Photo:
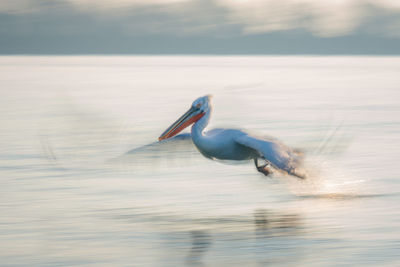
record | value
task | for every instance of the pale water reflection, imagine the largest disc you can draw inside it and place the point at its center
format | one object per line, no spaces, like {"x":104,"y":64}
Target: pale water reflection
{"x":82,"y":184}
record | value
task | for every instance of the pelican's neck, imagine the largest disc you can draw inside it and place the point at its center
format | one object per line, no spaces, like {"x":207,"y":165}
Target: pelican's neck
{"x":200,"y":125}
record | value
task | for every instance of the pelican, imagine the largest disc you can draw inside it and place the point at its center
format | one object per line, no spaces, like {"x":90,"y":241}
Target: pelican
{"x":234,"y":144}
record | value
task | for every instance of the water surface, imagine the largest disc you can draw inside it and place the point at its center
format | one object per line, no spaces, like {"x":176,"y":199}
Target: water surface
{"x":68,"y":197}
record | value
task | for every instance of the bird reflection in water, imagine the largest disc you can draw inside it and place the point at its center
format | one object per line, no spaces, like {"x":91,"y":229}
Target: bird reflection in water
{"x":276,"y":235}
{"x":201,"y":241}
{"x":268,"y":224}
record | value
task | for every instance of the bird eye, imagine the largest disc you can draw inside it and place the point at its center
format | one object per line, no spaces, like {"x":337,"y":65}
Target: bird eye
{"x":198,"y":105}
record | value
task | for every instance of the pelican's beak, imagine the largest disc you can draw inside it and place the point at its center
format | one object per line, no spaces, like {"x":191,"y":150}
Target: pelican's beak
{"x":191,"y":116}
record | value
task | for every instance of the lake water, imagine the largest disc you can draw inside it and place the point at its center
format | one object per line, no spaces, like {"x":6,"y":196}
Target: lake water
{"x":70,"y":195}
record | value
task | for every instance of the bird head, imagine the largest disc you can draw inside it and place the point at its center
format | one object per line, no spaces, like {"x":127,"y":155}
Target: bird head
{"x":198,"y":109}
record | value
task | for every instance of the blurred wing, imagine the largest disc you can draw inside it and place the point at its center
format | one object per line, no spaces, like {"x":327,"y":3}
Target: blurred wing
{"x":173,"y":151}
{"x":281,"y":156}
{"x":181,"y":139}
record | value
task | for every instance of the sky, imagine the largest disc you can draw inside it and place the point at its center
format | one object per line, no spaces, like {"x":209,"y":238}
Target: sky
{"x":200,"y":27}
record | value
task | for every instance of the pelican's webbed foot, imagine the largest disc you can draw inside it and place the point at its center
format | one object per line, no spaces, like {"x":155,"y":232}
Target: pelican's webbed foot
{"x":264,"y":168}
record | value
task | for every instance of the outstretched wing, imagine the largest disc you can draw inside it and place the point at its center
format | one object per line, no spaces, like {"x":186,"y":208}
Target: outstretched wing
{"x":177,"y":150}
{"x":281,"y":156}
{"x":176,"y":143}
